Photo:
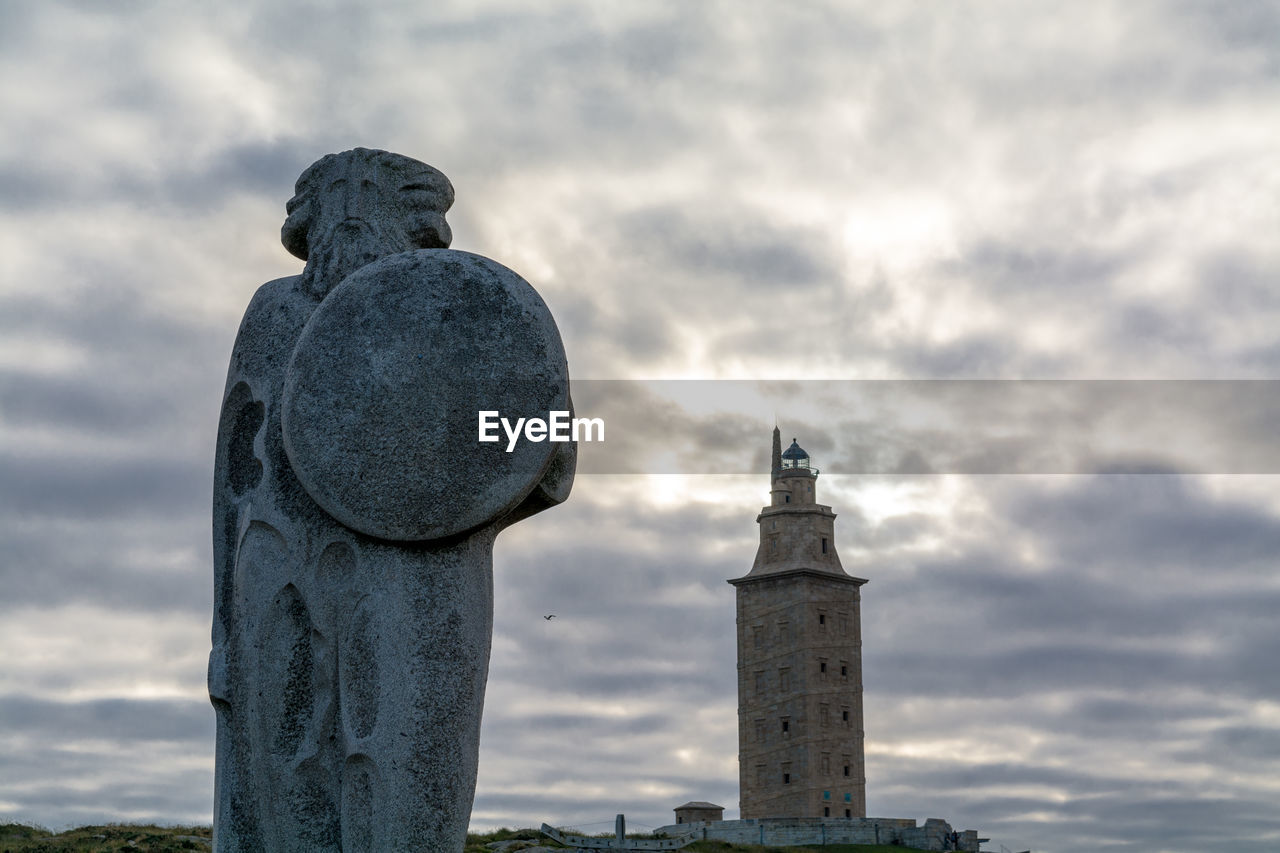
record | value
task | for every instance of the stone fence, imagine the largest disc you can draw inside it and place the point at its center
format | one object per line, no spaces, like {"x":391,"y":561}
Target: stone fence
{"x":782,"y":832}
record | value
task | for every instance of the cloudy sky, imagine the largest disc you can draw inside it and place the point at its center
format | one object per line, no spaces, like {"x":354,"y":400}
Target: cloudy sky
{"x":1069,"y":644}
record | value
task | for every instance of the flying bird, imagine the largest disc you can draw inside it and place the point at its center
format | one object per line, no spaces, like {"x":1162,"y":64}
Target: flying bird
{"x":549,"y":618}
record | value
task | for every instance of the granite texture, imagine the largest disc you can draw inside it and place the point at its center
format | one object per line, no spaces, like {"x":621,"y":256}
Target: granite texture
{"x":368,"y":409}
{"x":354,"y":517}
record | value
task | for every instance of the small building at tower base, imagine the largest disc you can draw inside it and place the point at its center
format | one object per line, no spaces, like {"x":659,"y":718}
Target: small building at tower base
{"x":698,"y":811}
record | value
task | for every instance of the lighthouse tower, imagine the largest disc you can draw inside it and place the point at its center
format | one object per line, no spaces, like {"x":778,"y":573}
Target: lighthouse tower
{"x":800,"y":739}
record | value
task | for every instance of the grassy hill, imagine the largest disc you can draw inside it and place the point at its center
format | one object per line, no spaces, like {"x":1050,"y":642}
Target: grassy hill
{"x":21,"y":838}
{"x":143,"y":838}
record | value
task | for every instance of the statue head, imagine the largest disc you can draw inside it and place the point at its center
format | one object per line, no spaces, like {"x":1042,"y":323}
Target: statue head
{"x":352,"y":208}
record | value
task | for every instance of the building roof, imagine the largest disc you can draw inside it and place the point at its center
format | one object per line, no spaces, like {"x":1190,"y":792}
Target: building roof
{"x":698,"y":804}
{"x":795,"y":451}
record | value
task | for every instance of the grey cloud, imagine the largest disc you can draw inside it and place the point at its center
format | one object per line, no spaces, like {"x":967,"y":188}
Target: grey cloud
{"x":596,"y":726}
{"x":941,"y":426}
{"x":95,"y":761}
{"x":122,"y":719}
{"x":1251,"y":25}
{"x":69,"y":487}
{"x":267,"y":168}
{"x":724,"y":243}
{"x":1246,"y":745}
{"x":38,"y":400}
{"x":49,"y":562}
{"x":1014,"y":270}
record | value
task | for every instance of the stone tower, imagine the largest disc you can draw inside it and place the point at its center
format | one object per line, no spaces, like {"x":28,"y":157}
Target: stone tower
{"x":799,"y":659}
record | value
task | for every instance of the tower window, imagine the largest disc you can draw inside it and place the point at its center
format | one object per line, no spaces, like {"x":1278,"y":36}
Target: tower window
{"x":844,"y":715}
{"x":787,"y":499}
{"x":826,"y":769}
{"x":847,"y":813}
{"x":786,"y":778}
{"x":786,"y":726}
{"x":822,"y":667}
{"x":846,"y":770}
{"x":844,"y":669}
{"x":824,"y":544}
{"x":826,"y":811}
{"x":823,"y":710}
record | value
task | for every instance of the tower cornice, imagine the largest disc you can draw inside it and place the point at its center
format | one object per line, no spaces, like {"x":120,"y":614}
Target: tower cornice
{"x":791,"y":573}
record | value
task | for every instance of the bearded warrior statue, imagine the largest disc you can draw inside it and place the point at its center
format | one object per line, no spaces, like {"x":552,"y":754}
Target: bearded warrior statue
{"x":354,"y":516}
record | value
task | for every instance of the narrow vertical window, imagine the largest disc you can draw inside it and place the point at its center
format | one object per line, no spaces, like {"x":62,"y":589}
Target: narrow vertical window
{"x":824,"y":544}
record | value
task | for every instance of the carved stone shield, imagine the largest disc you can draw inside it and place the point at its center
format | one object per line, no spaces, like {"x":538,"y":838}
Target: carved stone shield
{"x":384,"y":386}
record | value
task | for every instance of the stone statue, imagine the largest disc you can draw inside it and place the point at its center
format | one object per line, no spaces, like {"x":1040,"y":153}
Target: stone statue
{"x":354,"y":516}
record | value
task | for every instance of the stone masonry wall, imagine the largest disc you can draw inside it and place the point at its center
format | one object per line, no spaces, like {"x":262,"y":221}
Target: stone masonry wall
{"x":800,"y":747}
{"x":781,"y":832}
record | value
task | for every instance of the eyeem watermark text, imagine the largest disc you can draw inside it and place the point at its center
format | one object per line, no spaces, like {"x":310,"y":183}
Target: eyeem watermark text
{"x":557,"y":427}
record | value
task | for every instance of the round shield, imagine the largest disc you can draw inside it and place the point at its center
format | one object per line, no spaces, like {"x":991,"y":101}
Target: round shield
{"x":384,"y":393}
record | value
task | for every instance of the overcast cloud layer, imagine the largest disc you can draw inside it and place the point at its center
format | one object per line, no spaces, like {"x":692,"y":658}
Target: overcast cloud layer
{"x":714,"y":191}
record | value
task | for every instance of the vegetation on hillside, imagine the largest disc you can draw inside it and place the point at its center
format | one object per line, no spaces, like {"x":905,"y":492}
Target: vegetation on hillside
{"x":23,"y":838}
{"x":140,"y":838}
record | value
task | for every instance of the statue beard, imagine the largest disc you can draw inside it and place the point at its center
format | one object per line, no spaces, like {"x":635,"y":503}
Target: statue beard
{"x":343,"y":249}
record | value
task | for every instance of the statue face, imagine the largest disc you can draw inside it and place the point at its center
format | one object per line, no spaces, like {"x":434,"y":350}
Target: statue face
{"x":366,"y":202}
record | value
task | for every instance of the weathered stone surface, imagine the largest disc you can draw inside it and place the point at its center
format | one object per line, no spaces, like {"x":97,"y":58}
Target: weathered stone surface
{"x":381,"y":396}
{"x":349,"y":665}
{"x":817,"y":831}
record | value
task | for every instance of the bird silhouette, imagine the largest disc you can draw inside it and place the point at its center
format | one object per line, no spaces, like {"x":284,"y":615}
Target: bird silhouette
{"x":549,"y":618}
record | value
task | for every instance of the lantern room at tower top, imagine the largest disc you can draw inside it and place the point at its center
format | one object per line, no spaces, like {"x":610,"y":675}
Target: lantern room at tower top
{"x":794,"y":458}
{"x":793,"y":475}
